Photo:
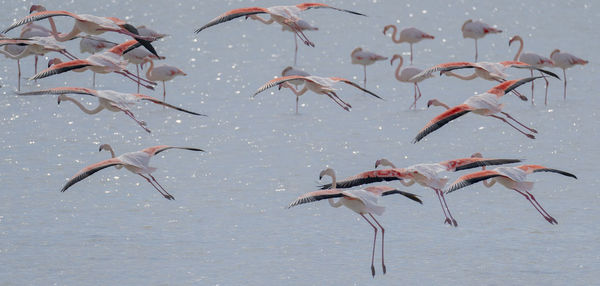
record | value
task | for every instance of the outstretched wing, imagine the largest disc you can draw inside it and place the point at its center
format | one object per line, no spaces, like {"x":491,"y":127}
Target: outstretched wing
{"x":306,"y":6}
{"x":316,"y":196}
{"x":91,"y":169}
{"x":354,"y":85}
{"x":157,"y":149}
{"x":366,"y":178}
{"x":230,"y":15}
{"x":469,"y":163}
{"x":442,"y":119}
{"x":38,"y":16}
{"x":278,"y":81}
{"x":61,"y":90}
{"x":522,"y":65}
{"x":538,"y":168}
{"x":472,"y":178}
{"x":441,"y":68}
{"x":386,"y":191}
{"x":157,"y":101}
{"x":61,"y":68}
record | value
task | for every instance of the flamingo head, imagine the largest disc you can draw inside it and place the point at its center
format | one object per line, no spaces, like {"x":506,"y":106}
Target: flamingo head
{"x":554,"y":52}
{"x":355,"y":51}
{"x":36,"y":8}
{"x":54,"y":61}
{"x":384,"y":162}
{"x":327,"y":172}
{"x":386,"y":28}
{"x":514,"y":38}
{"x":61,"y":98}
{"x":285,"y":70}
{"x":104,"y":147}
{"x":476,"y":155}
{"x":433,"y":102}
{"x":394,"y":57}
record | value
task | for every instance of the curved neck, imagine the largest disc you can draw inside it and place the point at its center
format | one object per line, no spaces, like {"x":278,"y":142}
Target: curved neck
{"x":334,"y":203}
{"x":149,"y":70}
{"x":394,"y":34}
{"x":439,"y":103}
{"x":397,"y":73}
{"x":268,"y":22}
{"x":520,"y":49}
{"x":62,"y":37}
{"x":470,"y":77}
{"x":489,"y":183}
{"x":112,"y":153}
{"x":82,"y":107}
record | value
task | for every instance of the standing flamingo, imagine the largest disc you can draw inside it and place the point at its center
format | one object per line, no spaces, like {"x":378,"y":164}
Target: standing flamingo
{"x":84,"y":23}
{"x":427,"y":175}
{"x":161,"y":73}
{"x":408,"y":35}
{"x":293,"y":71}
{"x":92,"y":45}
{"x":363,"y":201}
{"x":317,"y":84}
{"x":31,"y":30}
{"x":565,"y":61}
{"x":534,"y":60}
{"x":512,"y":178}
{"x":284,"y":15}
{"x":365,"y":58}
{"x":477,"y":30}
{"x":486,"y":70}
{"x":485,"y":104}
{"x":136,"y":162}
{"x":105,"y":62}
{"x":107,"y":99}
{"x":406,"y":75}
{"x":147,"y":32}
{"x":299,"y":24}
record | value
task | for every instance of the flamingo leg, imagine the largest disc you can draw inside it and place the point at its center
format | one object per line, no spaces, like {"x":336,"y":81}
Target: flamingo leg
{"x":19,"y":74}
{"x":164,"y":92}
{"x":297,"y":98}
{"x":546,"y":217}
{"x":419,"y":96}
{"x":448,"y":220}
{"x":374,"y":240}
{"x":141,"y":123}
{"x":532,"y":84}
{"x":382,"y":240}
{"x":296,"y":48}
{"x":441,"y":194}
{"x":547,"y":83}
{"x":138,"y":77}
{"x":36,"y":63}
{"x":508,"y":115}
{"x":365,"y":79}
{"x":298,"y":31}
{"x":505,"y":121}
{"x":414,"y":104}
{"x":475,"y":49}
{"x":137,"y":71}
{"x":411,"y":55}
{"x":154,"y":179}
{"x":93,"y":79}
{"x":339,"y":101}
{"x":167,"y":196}
{"x":541,"y":208}
{"x":565,"y":77}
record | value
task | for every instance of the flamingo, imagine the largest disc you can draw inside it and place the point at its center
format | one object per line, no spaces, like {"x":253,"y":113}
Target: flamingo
{"x":565,"y":61}
{"x":365,"y":58}
{"x":136,"y":162}
{"x":136,"y":56}
{"x":363,"y":201}
{"x":147,"y":32}
{"x":31,"y":30}
{"x":486,"y":70}
{"x":105,"y":62}
{"x":284,"y":15}
{"x":410,"y":35}
{"x":20,"y":48}
{"x":406,"y":75}
{"x":300,"y":24}
{"x":161,"y":73}
{"x":107,"y":99}
{"x":485,"y":104}
{"x":477,"y":30}
{"x":92,"y":45}
{"x":426,"y":175}
{"x":512,"y":178}
{"x":317,"y":84}
{"x":534,"y":60}
{"x":84,"y":23}
{"x":292,"y":71}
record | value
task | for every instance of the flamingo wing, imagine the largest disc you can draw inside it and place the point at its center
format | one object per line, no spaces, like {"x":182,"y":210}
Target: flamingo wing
{"x":522,"y":65}
{"x":230,"y":15}
{"x":278,"y":81}
{"x":62,"y":90}
{"x":354,"y":85}
{"x":61,"y":68}
{"x":472,"y":178}
{"x":91,"y":169}
{"x":39,"y":16}
{"x":442,"y":119}
{"x":157,"y":101}
{"x":386,"y":191}
{"x":316,"y":196}
{"x":442,"y":68}
{"x":538,"y":168}
{"x":469,"y":163}
{"x":306,"y":6}
{"x":157,"y":149}
{"x":366,"y":178}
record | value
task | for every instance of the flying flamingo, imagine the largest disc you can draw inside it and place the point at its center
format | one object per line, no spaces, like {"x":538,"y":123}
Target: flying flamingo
{"x":84,"y":23}
{"x":293,"y":71}
{"x":32,"y":46}
{"x":406,"y":75}
{"x":92,"y":45}
{"x":317,"y":84}
{"x":485,"y":104}
{"x":427,"y":175}
{"x":486,"y":70}
{"x":477,"y":30}
{"x":512,"y":178}
{"x":409,"y":35}
{"x":137,"y":56}
{"x":299,"y":24}
{"x":107,"y":99}
{"x":534,"y":60}
{"x":565,"y":61}
{"x":105,"y":62}
{"x":365,"y":58}
{"x":363,"y":201}
{"x":136,"y":162}
{"x":161,"y":73}
{"x":284,"y":15}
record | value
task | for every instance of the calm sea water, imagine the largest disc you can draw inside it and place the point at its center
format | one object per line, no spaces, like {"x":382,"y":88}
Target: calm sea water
{"x":228,"y":224}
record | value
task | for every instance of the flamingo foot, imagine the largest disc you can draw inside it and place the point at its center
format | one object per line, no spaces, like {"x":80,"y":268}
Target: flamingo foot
{"x":143,"y":123}
{"x":346,"y":108}
{"x":373,"y":270}
{"x":309,"y":43}
{"x":551,"y":220}
{"x":169,"y":197}
{"x":383,"y":266}
{"x":530,"y":136}
{"x":454,"y":223}
{"x":533,"y":130}
{"x":523,"y":98}
{"x":448,"y":221}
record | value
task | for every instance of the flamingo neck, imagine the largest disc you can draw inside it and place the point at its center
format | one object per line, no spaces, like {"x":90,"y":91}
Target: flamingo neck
{"x":489,"y":183}
{"x":263,"y":20}
{"x":112,"y":153}
{"x":394,"y":34}
{"x":439,"y":103}
{"x":334,"y":203}
{"x":397,"y":72}
{"x":150,"y":69}
{"x":470,"y":77}
{"x":62,"y":37}
{"x":82,"y":107}
{"x":520,"y":49}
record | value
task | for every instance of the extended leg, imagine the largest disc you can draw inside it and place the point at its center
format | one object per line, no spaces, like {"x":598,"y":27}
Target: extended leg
{"x":508,"y":115}
{"x":547,"y":83}
{"x":448,"y":220}
{"x":565,"y":78}
{"x":365,"y":79}
{"x":339,"y":101}
{"x":411,"y":54}
{"x":475,"y":49}
{"x":541,"y":208}
{"x":140,"y":123}
{"x":164,"y":92}
{"x":446,"y":205}
{"x":135,"y":80}
{"x":374,"y":239}
{"x":532,"y":83}
{"x":296,"y":48}
{"x":19,"y":74}
{"x":382,"y":240}
{"x":137,"y":71}
{"x":167,"y":196}
{"x":515,"y":127}
{"x":547,"y":218}
{"x":165,"y":191}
